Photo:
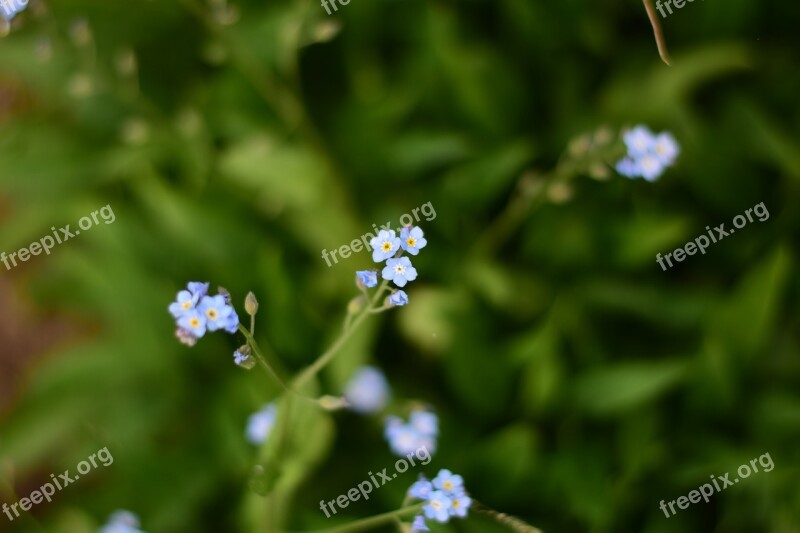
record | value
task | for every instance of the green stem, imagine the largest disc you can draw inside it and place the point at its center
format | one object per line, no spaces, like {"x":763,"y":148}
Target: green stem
{"x":331,"y":352}
{"x":366,"y":523}
{"x":260,"y":357}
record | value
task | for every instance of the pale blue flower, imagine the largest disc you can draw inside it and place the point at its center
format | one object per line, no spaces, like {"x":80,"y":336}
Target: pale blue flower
{"x":438,"y":507}
{"x":218,"y":314}
{"x":648,"y":155}
{"x":666,"y":148}
{"x":400,"y":271}
{"x":639,"y":141}
{"x":412,"y":240}
{"x":398,"y":298}
{"x":384,"y":245}
{"x":460,"y":505}
{"x":11,"y":8}
{"x":184,"y":303}
{"x":419,"y":524}
{"x":121,"y":522}
{"x":366,"y":278}
{"x":193,"y":322}
{"x":421,"y":489}
{"x":260,"y":424}
{"x":426,"y":422}
{"x":446,"y":481}
{"x":367,"y":391}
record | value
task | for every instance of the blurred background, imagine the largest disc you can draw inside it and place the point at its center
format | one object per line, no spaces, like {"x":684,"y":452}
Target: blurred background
{"x":577,"y":383}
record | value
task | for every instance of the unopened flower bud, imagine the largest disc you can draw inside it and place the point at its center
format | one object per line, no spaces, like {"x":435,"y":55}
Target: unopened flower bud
{"x":222,"y":291}
{"x":251,"y":304}
{"x":356,"y":305}
{"x":332,"y":403}
{"x":242,"y":358}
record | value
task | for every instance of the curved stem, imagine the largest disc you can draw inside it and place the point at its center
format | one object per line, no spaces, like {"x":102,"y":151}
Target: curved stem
{"x":260,"y":357}
{"x":367,"y":523}
{"x":657,"y":32}
{"x":331,"y":352}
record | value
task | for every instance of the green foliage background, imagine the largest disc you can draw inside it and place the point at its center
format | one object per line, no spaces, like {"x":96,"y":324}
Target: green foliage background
{"x":578,"y":384}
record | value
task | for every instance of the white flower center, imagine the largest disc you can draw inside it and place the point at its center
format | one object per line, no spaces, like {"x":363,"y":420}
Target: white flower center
{"x":400,"y":269}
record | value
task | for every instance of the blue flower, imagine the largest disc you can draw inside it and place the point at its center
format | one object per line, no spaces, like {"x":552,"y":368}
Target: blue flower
{"x":412,"y":240}
{"x":218,"y":314}
{"x":366,"y":278}
{"x":461,"y":503}
{"x":10,"y":8}
{"x":448,"y":482}
{"x":400,"y":271}
{"x":419,"y":524}
{"x":404,"y":440}
{"x":121,"y":522}
{"x":648,"y":154}
{"x":426,"y":422}
{"x":188,"y":299}
{"x":198,"y":289}
{"x":193,"y":322}
{"x":398,"y":298}
{"x":260,"y":424}
{"x":384,"y":245}
{"x":367,"y":391}
{"x":421,"y":489}
{"x":438,"y":507}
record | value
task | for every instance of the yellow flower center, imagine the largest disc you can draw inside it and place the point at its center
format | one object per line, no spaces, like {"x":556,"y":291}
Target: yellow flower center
{"x":387,"y":246}
{"x":447,"y":485}
{"x":436,"y":505}
{"x":212,"y":314}
{"x":186,"y":305}
{"x":455,"y":503}
{"x":411,"y":241}
{"x":194,"y":322}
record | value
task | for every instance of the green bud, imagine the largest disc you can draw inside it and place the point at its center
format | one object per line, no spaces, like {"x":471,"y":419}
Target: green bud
{"x":251,"y":304}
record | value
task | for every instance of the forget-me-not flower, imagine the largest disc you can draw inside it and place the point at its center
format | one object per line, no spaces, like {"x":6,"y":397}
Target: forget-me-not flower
{"x":438,"y":507}
{"x":419,"y":524}
{"x":400,"y":271}
{"x":460,"y":505}
{"x":648,"y":155}
{"x":405,"y":438}
{"x":412,"y":240}
{"x":121,"y":522}
{"x":366,"y":278}
{"x":193,"y":322}
{"x":218,"y":314}
{"x":260,"y":424}
{"x":448,"y":482}
{"x":384,"y":245}
{"x":421,"y":489}
{"x":398,"y":298}
{"x":367,"y":391}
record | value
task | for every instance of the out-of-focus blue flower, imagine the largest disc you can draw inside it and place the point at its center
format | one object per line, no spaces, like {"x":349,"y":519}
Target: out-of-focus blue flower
{"x":461,"y":504}
{"x":648,"y":155}
{"x":446,"y":481}
{"x":198,"y":289}
{"x":405,"y":438}
{"x":367,"y":391}
{"x":384,"y":245}
{"x":366,"y":278}
{"x":412,"y":240}
{"x":260,"y":424}
{"x":398,"y":298}
{"x":11,"y":8}
{"x":218,"y":314}
{"x":400,"y":271}
{"x":425,"y":422}
{"x":421,"y":489}
{"x":193,"y":322}
{"x":438,"y":507}
{"x":419,"y":524}
{"x":121,"y":522}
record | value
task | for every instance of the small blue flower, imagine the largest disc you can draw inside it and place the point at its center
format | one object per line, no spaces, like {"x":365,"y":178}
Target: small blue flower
{"x":242,"y":358}
{"x":260,"y":424}
{"x":628,"y":167}
{"x":218,"y":314}
{"x":11,"y":8}
{"x":398,"y":298}
{"x":426,"y":422}
{"x":639,"y":141}
{"x":367,"y":391}
{"x":193,"y":322}
{"x":384,"y":245}
{"x":183,"y":304}
{"x":421,"y":489}
{"x":461,"y":504}
{"x":438,"y":507}
{"x":650,"y":167}
{"x":121,"y":522}
{"x":198,"y":289}
{"x":666,"y":148}
{"x":419,"y":524}
{"x":366,"y":278}
{"x":404,"y":440}
{"x":400,"y":271}
{"x":412,"y":240}
{"x":448,"y":482}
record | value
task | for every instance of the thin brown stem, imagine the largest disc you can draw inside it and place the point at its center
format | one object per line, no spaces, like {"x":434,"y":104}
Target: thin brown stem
{"x":657,"y":31}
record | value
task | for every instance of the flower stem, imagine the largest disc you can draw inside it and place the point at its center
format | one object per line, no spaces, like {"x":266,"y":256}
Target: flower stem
{"x":260,"y":356}
{"x":367,"y":523}
{"x":331,"y":352}
{"x":657,"y":31}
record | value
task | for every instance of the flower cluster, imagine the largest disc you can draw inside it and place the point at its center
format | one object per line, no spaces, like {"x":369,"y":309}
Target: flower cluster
{"x":367,"y":391}
{"x":386,"y":246}
{"x":446,"y":498}
{"x":421,"y":431}
{"x":121,"y":522}
{"x":260,"y":424}
{"x":10,"y":8}
{"x":648,"y":154}
{"x":196,"y":312}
